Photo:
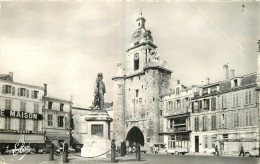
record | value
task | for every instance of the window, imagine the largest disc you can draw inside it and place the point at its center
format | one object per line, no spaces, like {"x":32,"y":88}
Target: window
{"x":35,"y":108}
{"x":178,"y":104}
{"x":153,"y":99}
{"x":50,"y":120}
{"x":236,"y":119}
{"x":49,"y":105}
{"x":7,"y":123}
{"x":225,"y":136}
{"x":206,"y":104}
{"x":8,"y":89}
{"x":171,"y":105}
{"x":196,"y":106}
{"x":136,"y":61}
{"x":23,"y":92}
{"x":248,"y":97}
{"x":61,"y":107}
{"x":153,"y":74}
{"x":206,"y":142}
{"x":35,"y":125}
{"x":34,"y":94}
{"x":213,"y":140}
{"x":160,"y":112}
{"x":235,"y":99}
{"x":8,"y":104}
{"x":22,"y":124}
{"x":136,"y":93}
{"x":249,"y":118}
{"x":23,"y":106}
{"x":140,"y":100}
{"x":60,"y":121}
{"x":213,"y":103}
{"x":224,"y":101}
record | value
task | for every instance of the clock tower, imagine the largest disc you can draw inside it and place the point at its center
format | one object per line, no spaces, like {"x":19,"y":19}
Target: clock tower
{"x":137,"y":88}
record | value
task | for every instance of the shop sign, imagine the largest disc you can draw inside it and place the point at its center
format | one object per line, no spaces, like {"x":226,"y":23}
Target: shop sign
{"x":20,"y":114}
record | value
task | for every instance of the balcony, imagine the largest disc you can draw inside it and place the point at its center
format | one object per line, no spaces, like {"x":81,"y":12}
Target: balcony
{"x":181,"y":129}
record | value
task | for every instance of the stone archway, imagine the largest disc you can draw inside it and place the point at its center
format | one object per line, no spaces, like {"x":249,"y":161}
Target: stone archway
{"x":135,"y":135}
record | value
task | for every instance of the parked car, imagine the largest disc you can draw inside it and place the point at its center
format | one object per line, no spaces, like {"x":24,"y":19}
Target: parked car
{"x":252,"y":153}
{"x":71,"y":150}
{"x":159,"y":148}
{"x":44,"y":150}
{"x":142,"y":149}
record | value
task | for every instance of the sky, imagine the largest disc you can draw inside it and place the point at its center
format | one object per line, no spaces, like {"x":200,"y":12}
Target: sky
{"x":65,"y":44}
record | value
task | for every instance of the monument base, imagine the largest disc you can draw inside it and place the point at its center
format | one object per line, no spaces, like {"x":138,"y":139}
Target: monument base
{"x":96,"y":148}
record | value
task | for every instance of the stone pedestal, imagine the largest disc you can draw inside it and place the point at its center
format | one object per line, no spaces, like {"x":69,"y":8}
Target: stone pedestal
{"x":97,"y":137}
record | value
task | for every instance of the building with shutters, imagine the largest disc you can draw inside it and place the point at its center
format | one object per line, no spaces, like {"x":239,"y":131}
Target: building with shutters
{"x":225,"y":114}
{"x":20,"y":113}
{"x":57,"y":116}
{"x":175,"y":112}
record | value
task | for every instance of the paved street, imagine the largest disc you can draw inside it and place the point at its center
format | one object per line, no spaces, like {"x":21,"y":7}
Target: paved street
{"x":146,"y":158}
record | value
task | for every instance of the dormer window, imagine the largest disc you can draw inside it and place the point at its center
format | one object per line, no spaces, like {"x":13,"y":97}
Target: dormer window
{"x":235,"y":83}
{"x":177,"y":91}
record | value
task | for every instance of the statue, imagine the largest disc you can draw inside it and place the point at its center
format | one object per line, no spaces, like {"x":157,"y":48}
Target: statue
{"x":99,"y":91}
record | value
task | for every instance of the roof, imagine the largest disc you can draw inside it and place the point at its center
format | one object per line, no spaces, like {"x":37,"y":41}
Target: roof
{"x":57,"y":99}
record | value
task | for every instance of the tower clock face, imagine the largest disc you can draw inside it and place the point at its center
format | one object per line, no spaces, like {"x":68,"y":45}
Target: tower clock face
{"x":136,"y":57}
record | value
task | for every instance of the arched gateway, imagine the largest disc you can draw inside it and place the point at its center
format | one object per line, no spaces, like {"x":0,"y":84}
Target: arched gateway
{"x":135,"y":135}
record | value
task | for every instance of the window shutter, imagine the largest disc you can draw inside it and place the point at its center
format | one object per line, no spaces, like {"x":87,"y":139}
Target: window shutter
{"x":19,"y":91}
{"x":231,"y":120}
{"x":6,"y":103}
{"x":200,"y":123}
{"x":13,"y":91}
{"x":219,"y":121}
{"x":32,"y":94}
{"x":209,"y":124}
{"x":242,"y":118}
{"x":3,"y":89}
{"x":220,"y":102}
{"x":27,"y":93}
{"x":226,"y":122}
{"x":229,"y":125}
{"x":192,"y":123}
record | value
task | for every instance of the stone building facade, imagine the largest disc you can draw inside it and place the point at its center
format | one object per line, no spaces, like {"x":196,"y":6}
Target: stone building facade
{"x":175,"y":117}
{"x":57,"y":115}
{"x":136,"y":90}
{"x":225,"y":114}
{"x":21,"y":117}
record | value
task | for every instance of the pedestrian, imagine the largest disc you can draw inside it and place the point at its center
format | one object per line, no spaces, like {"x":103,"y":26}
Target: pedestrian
{"x":36,"y":148}
{"x":241,"y":150}
{"x":216,"y":150}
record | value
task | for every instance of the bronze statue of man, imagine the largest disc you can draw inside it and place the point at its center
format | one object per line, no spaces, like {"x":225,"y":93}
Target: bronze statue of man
{"x":99,"y":92}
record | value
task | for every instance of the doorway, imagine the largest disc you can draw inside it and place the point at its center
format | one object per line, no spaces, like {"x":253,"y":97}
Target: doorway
{"x":196,"y":143}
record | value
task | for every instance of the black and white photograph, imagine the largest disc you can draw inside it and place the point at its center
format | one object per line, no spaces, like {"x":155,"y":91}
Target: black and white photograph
{"x":145,"y":82}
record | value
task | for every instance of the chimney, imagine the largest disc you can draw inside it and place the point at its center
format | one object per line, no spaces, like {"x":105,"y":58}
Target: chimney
{"x":45,"y":89}
{"x":226,"y":71}
{"x":207,"y":80}
{"x":232,"y":73}
{"x":11,"y":75}
{"x":178,"y":81}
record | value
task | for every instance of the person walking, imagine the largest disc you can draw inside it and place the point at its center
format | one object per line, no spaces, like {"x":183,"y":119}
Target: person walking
{"x":216,"y":150}
{"x":241,"y":150}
